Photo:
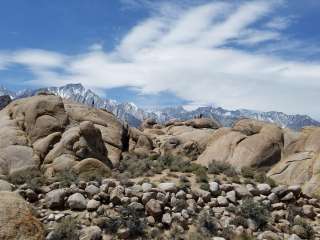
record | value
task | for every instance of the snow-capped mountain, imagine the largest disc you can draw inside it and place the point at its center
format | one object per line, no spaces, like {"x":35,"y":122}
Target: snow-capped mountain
{"x":130,"y":113}
{"x":4,"y":101}
{"x":127,"y":112}
{"x":228,"y":117}
{"x":4,"y":91}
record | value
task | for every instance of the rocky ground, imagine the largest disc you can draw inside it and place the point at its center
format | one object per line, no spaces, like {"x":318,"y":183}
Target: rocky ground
{"x":68,"y":171}
{"x":171,"y":205}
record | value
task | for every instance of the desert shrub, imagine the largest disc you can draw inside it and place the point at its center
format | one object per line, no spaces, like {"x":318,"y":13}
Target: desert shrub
{"x":217,"y":167}
{"x":138,"y":167}
{"x":239,"y":221}
{"x":127,"y":218}
{"x":176,"y":164}
{"x":249,"y":181}
{"x":248,"y":172}
{"x":172,"y":175}
{"x":33,"y":177}
{"x":293,"y":211}
{"x":66,"y":178}
{"x":134,"y":167}
{"x":201,"y":175}
{"x":197,"y":236}
{"x":316,"y":194}
{"x":156,"y":168}
{"x":67,"y":229}
{"x":135,"y":225}
{"x":124,"y":179}
{"x":227,"y":233}
{"x":112,"y":225}
{"x":244,"y":236}
{"x":232,"y":209}
{"x":207,"y":223}
{"x":256,"y":211}
{"x":308,"y":229}
{"x":261,"y":177}
{"x":176,"y":233}
{"x":95,"y":174}
{"x":184,"y":183}
{"x":205,"y":186}
{"x":192,"y":167}
{"x":235,"y":179}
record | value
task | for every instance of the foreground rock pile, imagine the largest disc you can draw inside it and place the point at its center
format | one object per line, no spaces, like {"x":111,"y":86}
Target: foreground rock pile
{"x":159,"y":208}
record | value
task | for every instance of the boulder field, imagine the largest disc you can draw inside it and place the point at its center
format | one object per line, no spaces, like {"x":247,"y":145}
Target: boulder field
{"x":49,"y":133}
{"x":49,"y":146}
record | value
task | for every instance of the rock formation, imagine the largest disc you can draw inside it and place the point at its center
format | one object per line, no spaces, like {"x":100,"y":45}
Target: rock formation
{"x":131,"y":186}
{"x":301,"y":163}
{"x":47,"y":133}
{"x":248,"y":143}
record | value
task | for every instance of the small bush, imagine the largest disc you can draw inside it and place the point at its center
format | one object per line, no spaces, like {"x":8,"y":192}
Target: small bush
{"x":135,"y":225}
{"x":33,"y":177}
{"x":261,"y":177}
{"x":316,"y":194}
{"x":232,"y":209}
{"x":236,"y":179}
{"x":309,"y":231}
{"x":244,"y":236}
{"x":217,"y":167}
{"x":95,"y":175}
{"x":135,"y":167}
{"x":227,"y":233}
{"x":176,"y":233}
{"x":125,"y":179}
{"x":127,"y":218}
{"x":239,"y":221}
{"x":293,"y":211}
{"x":197,"y":236}
{"x":112,"y":225}
{"x":248,"y":172}
{"x":256,"y":211}
{"x":66,"y":178}
{"x":176,"y":164}
{"x":205,"y":186}
{"x":207,"y":224}
{"x":184,"y":183}
{"x":201,"y":175}
{"x":67,"y":229}
{"x":191,"y":167}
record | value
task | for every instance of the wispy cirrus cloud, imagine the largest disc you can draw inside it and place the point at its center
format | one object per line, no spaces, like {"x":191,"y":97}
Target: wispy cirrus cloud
{"x":208,"y":53}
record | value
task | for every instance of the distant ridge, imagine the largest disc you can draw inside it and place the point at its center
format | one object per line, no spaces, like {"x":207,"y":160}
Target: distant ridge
{"x":134,"y":115}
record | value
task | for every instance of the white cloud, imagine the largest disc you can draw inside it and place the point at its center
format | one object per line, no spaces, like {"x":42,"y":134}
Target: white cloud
{"x":280,"y":23}
{"x":191,"y":54}
{"x":96,"y":47}
{"x":37,"y":58}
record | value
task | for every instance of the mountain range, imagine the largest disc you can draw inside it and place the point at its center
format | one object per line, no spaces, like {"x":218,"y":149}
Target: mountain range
{"x":134,"y":115}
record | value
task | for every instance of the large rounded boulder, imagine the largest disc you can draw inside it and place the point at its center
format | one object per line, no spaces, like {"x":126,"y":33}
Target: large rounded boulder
{"x":114,"y":133}
{"x":249,"y":143}
{"x":300,"y":164}
{"x":48,"y":133}
{"x":39,"y":116}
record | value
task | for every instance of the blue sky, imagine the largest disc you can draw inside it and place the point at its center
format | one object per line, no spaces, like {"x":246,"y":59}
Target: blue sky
{"x":261,"y":54}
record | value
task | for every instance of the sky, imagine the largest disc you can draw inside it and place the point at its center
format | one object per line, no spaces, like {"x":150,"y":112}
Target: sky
{"x":258,"y":54}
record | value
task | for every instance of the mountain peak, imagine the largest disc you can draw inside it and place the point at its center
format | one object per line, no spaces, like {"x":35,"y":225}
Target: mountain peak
{"x":134,"y":115}
{"x":73,"y":85}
